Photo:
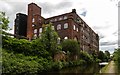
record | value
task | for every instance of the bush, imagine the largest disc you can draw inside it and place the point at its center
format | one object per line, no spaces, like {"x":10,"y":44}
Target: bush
{"x":18,"y":46}
{"x":85,"y":56}
{"x":38,"y":49}
{"x":19,"y":64}
{"x":57,"y":65}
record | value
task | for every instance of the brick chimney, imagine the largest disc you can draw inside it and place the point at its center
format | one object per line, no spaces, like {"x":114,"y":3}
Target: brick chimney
{"x":74,"y":10}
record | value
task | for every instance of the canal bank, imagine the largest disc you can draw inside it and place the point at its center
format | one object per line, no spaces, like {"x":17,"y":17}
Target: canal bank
{"x":111,"y":68}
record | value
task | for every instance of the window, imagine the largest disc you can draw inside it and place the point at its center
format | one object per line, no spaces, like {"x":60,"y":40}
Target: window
{"x":33,"y":25}
{"x":35,"y":36}
{"x":55,"y":19}
{"x":65,"y":17}
{"x":35,"y":30}
{"x":65,"y":25}
{"x":60,"y":18}
{"x":40,"y":30}
{"x":74,"y":27}
{"x":66,"y":38}
{"x":58,"y":41}
{"x":77,"y":29}
{"x":81,"y":29}
{"x":39,"y":19}
{"x":75,"y":38}
{"x":51,"y":20}
{"x":52,"y":27}
{"x":58,"y":26}
{"x":33,"y":20}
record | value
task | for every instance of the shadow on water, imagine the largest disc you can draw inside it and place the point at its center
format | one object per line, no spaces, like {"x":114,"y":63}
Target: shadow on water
{"x":78,"y":70}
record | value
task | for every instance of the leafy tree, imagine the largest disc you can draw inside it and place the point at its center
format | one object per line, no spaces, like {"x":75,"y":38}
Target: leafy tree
{"x":49,"y":39}
{"x":38,"y":48}
{"x":71,"y":47}
{"x":116,"y":58}
{"x":85,"y":56}
{"x":102,"y":56}
{"x":107,"y":53}
{"x":4,"y":22}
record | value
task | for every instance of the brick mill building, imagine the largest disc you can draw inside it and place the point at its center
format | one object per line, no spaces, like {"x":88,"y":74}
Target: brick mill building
{"x":67,"y":25}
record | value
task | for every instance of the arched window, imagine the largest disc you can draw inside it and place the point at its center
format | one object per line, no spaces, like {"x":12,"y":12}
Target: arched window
{"x":74,"y":27}
{"x":65,"y":37}
{"x":65,"y":25}
{"x":40,"y":30}
{"x":77,"y":29}
{"x":35,"y":36}
{"x":75,"y":38}
{"x":53,"y":28}
{"x":55,"y":19}
{"x":60,"y":18}
{"x":65,"y":17}
{"x":58,"y":26}
{"x":33,"y":20}
{"x":35,"y":30}
{"x":33,"y":25}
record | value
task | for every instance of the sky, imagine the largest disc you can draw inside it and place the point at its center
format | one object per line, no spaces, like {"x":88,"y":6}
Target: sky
{"x":100,"y":15}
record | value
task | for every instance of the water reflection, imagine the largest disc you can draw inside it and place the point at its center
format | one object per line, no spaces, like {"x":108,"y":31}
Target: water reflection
{"x":78,"y":70}
{"x":94,"y":69}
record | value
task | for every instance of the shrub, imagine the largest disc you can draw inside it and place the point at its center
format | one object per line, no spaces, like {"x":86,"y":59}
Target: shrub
{"x":57,"y":65}
{"x":14,"y":64}
{"x":85,"y":56}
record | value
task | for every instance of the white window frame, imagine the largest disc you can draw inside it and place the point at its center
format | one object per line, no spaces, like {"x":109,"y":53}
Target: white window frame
{"x":35,"y":30}
{"x":60,"y":18}
{"x":65,"y":17}
{"x":33,"y":19}
{"x":65,"y":25}
{"x":33,"y":25}
{"x":35,"y":36}
{"x":40,"y":30}
{"x":55,"y":19}
{"x":51,"y":20}
{"x":58,"y":40}
{"x":66,"y":38}
{"x":59,"y":27}
{"x":74,"y":27}
{"x":77,"y":29}
{"x":53,"y":28}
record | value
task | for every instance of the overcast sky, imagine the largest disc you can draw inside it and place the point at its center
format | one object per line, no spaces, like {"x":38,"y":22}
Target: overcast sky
{"x":101,"y":15}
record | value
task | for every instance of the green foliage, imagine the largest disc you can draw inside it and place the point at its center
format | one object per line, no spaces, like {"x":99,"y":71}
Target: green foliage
{"x":4,"y":21}
{"x":72,"y":46}
{"x":85,"y":56}
{"x":49,"y":39}
{"x":18,"y":46}
{"x":107,"y":53}
{"x":117,"y":58}
{"x":19,"y":63}
{"x":102,"y":56}
{"x":57,"y":65}
{"x":38,"y":48}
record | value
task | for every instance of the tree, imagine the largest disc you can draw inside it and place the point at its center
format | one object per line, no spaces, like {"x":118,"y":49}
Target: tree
{"x":101,"y":56}
{"x":49,"y":39}
{"x":4,"y":21}
{"x":71,"y":47}
{"x":107,"y":53}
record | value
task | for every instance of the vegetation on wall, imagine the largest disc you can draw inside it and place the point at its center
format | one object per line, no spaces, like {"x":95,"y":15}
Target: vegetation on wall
{"x":116,"y":57}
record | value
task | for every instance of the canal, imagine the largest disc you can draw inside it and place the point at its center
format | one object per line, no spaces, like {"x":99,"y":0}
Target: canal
{"x":93,"y":69}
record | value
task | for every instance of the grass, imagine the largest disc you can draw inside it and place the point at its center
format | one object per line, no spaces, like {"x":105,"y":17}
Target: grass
{"x":103,"y":70}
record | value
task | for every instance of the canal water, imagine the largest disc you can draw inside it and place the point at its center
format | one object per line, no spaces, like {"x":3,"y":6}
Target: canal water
{"x":93,"y":69}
